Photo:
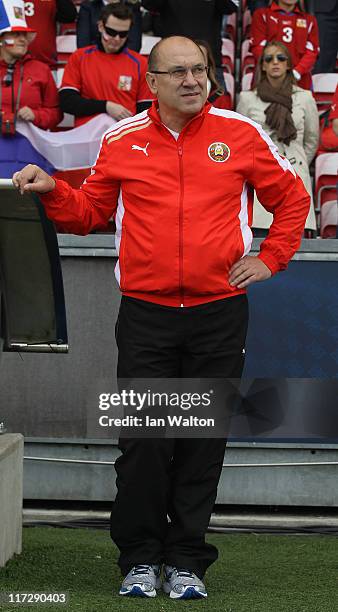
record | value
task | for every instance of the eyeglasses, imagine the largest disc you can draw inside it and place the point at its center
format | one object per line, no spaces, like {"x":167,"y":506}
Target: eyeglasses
{"x":113,"y":33}
{"x":8,"y":78}
{"x":179,"y":74}
{"x":280,"y":57}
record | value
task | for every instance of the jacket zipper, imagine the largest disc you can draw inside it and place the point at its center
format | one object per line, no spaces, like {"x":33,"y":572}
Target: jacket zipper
{"x":180,"y":250}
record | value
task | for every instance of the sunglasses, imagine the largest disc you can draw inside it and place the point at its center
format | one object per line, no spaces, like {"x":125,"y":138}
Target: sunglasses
{"x":280,"y":57}
{"x":120,"y":33}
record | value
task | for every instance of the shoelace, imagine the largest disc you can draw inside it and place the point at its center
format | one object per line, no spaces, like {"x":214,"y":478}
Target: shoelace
{"x":141,"y":569}
{"x":183,"y":573}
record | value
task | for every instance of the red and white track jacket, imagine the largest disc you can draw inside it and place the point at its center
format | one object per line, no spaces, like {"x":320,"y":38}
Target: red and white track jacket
{"x":297,"y":30}
{"x":183,"y":208}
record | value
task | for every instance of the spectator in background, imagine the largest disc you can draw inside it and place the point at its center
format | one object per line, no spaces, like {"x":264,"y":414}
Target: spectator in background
{"x":255,"y":4}
{"x":326,"y":12}
{"x":286,"y":21}
{"x":288,"y":114}
{"x":89,"y":14}
{"x":217,"y":96}
{"x":334,"y":112}
{"x":42,"y":16}
{"x":196,"y":19}
{"x":27,"y":90}
{"x":107,"y":77}
{"x":329,"y":132}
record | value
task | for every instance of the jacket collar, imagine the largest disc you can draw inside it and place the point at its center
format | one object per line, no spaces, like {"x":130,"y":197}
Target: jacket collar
{"x":274,"y":7}
{"x":196,"y":121}
{"x":17,"y":62}
{"x":100,"y":46}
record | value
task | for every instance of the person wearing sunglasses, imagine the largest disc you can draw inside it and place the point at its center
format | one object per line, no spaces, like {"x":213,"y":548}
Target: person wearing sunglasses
{"x":107,"y":77}
{"x":89,"y":14}
{"x":287,"y":22}
{"x":288,"y":114}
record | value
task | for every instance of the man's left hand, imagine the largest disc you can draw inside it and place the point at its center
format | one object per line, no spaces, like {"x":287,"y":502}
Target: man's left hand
{"x":248,"y":270}
{"x":26,"y":114}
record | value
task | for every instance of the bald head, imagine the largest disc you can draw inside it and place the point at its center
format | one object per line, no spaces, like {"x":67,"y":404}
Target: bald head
{"x":167,"y":46}
{"x":177,"y":77}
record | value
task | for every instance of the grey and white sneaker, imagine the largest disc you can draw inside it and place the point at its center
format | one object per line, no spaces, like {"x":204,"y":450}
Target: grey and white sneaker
{"x":142,"y":581}
{"x":182,"y":584}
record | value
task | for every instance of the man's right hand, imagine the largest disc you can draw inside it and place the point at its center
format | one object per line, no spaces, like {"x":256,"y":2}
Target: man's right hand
{"x":32,"y":178}
{"x":117,"y":111}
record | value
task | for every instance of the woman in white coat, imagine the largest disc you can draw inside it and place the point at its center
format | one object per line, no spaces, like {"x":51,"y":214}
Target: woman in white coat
{"x":288,"y":114}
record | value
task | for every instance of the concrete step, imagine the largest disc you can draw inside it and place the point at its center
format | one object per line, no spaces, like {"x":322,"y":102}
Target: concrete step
{"x":11,"y":469}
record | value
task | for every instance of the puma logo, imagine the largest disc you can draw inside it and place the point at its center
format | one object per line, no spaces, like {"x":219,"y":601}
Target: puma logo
{"x":144,"y":149}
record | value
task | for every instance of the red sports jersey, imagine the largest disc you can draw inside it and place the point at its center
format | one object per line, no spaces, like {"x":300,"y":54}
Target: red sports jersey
{"x":117,"y":77}
{"x":296,"y":30}
{"x":40,"y":16}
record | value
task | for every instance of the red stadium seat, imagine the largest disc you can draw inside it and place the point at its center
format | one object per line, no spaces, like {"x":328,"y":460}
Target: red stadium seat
{"x":66,"y":28}
{"x":230,"y":85}
{"x":324,"y":86}
{"x":247,"y":59}
{"x":326,"y":193}
{"x":246,"y":24}
{"x":228,"y":55}
{"x":231,"y":27}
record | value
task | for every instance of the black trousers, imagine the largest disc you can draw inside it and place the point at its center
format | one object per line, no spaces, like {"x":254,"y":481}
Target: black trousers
{"x":175,"y":478}
{"x":328,"y":40}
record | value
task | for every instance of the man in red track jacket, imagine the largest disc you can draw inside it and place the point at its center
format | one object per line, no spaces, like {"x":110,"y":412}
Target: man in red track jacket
{"x":178,"y":179}
{"x":286,"y":22}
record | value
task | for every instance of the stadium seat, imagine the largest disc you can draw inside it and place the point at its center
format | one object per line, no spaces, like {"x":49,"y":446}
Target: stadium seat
{"x":246,"y":24}
{"x":247,"y":81}
{"x":148,"y":42}
{"x":228,"y":55}
{"x":324,"y":86}
{"x":58,"y":74}
{"x":247,"y":59}
{"x":66,"y":28}
{"x":326,"y":193}
{"x":65,"y":46}
{"x":230,"y":85}
{"x":231,"y":27}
